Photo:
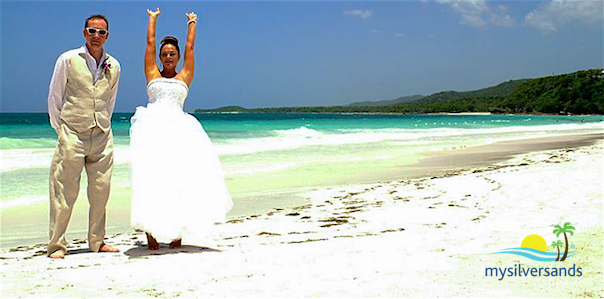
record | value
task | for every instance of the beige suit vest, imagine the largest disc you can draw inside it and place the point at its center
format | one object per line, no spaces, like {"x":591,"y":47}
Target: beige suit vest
{"x":86,"y":101}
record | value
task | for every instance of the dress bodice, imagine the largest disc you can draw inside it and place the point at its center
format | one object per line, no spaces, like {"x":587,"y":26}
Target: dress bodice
{"x":167,"y":91}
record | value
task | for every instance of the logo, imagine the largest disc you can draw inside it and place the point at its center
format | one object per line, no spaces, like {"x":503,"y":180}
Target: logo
{"x":535,"y":248}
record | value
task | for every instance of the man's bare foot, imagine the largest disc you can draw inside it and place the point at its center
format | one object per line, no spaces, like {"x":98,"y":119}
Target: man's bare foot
{"x":59,"y":254}
{"x":151,"y":242}
{"x":107,"y":248}
{"x":175,"y":244}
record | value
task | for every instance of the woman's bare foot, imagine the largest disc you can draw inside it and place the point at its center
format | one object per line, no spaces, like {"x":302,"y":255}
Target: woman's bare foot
{"x":175,"y":244}
{"x":151,"y":242}
{"x":59,"y":254}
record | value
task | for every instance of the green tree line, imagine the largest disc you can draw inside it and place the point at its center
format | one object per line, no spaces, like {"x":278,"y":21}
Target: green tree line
{"x":581,"y":92}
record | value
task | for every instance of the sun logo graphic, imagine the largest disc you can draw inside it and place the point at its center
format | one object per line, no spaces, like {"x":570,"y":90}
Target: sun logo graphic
{"x":535,"y":247}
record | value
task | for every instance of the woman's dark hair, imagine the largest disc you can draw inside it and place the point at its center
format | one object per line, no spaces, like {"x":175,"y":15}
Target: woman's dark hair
{"x":92,"y":17}
{"x":169,"y":40}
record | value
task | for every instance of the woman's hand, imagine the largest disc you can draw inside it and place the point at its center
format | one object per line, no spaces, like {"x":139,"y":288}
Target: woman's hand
{"x":191,"y":17}
{"x":153,"y":14}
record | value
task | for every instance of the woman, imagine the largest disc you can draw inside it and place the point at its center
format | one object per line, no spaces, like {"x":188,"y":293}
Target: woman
{"x":178,"y":188}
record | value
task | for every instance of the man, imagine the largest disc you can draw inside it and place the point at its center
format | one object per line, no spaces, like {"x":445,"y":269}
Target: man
{"x":81,"y":99}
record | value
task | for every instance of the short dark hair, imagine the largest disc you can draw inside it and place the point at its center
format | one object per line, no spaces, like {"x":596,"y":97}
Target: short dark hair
{"x":92,"y":17}
{"x":171,"y":40}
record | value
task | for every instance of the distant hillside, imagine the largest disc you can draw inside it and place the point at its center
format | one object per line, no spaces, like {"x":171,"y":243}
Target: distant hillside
{"x":581,"y":92}
{"x":578,"y":93}
{"x":400,"y":100}
{"x":498,"y":91}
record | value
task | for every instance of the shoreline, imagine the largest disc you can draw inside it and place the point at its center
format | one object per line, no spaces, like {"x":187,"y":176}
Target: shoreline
{"x":364,"y":240}
{"x":392,"y":113}
{"x":432,"y":164}
{"x":503,"y":150}
{"x":378,"y":113}
{"x":442,"y":162}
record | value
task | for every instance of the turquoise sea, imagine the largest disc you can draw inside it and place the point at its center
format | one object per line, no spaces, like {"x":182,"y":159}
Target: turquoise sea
{"x":263,"y":155}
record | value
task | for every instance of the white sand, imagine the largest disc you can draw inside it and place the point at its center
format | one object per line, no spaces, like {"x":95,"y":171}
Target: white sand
{"x":430,"y":237}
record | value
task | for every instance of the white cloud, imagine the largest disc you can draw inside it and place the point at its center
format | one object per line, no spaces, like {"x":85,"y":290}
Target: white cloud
{"x":502,"y":18}
{"x":399,"y":34}
{"x":478,"y":13}
{"x":550,"y":16}
{"x":376,"y":31}
{"x":363,"y":14}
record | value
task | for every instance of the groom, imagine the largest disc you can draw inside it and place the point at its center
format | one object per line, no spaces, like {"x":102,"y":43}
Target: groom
{"x":81,"y":99}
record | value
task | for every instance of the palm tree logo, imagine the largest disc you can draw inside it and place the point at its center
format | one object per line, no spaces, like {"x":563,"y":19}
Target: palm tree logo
{"x":534,"y":246}
{"x":557,"y":244}
{"x":566,"y":228}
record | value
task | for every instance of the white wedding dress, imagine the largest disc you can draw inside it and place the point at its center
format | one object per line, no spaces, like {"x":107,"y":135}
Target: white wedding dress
{"x":178,"y":187}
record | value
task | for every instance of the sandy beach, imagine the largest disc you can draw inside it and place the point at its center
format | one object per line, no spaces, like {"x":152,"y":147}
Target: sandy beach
{"x":430,"y":235}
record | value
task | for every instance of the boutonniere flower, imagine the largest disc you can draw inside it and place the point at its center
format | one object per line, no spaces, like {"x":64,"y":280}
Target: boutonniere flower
{"x":106,"y":65}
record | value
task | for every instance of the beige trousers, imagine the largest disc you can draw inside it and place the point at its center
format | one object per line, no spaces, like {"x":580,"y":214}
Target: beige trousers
{"x":93,"y":150}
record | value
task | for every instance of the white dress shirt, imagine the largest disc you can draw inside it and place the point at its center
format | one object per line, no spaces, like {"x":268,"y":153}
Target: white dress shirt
{"x":58,"y":82}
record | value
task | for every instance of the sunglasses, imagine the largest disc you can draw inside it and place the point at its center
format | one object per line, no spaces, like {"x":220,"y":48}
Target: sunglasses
{"x":92,"y":31}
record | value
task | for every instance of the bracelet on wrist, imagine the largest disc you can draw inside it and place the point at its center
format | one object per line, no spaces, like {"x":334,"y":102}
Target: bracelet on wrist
{"x":191,"y":21}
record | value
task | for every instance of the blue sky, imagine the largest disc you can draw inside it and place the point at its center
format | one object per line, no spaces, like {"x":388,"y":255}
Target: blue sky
{"x":309,"y":53}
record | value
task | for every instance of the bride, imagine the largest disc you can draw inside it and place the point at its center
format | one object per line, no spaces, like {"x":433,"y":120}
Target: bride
{"x":178,"y":188}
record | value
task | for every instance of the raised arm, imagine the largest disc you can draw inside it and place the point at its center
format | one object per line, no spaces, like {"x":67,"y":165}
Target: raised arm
{"x":189,"y":64}
{"x":151,"y":70}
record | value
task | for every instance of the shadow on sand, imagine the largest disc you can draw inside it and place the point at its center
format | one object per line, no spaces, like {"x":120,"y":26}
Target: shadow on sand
{"x":141,"y":250}
{"x":78,"y":251}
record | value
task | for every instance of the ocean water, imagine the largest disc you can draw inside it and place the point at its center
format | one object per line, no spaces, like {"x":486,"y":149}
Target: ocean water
{"x":263,"y":155}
